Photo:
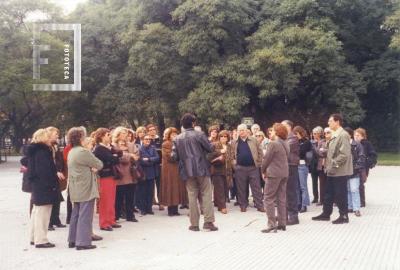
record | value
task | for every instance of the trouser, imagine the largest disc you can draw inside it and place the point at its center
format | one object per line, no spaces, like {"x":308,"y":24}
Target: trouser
{"x":292,"y":192}
{"x":244,"y":176}
{"x":200,"y":185}
{"x":363,"y":178}
{"x":69,"y":209}
{"x":157,"y":182}
{"x":336,"y":191}
{"x":173,"y":210}
{"x":80,"y":229}
{"x":233,"y":190}
{"x":275,"y":191}
{"x":303,"y":176}
{"x":220,"y":187}
{"x":144,"y":194}
{"x":314,"y":177}
{"x":125,"y":196}
{"x":322,"y":185}
{"x":107,"y":202}
{"x":55,"y":214}
{"x":39,"y":223}
{"x":353,"y":193}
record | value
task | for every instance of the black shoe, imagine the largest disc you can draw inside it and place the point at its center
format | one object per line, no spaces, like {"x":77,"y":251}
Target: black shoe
{"x":177,"y":214}
{"x":32,"y":243}
{"x":315,"y":200}
{"x":143,"y":213}
{"x":132,"y":220}
{"x":194,"y":228}
{"x":96,"y":237}
{"x":135,"y":210}
{"x":150,"y":212}
{"x":303,"y":210}
{"x":60,"y":225}
{"x":281,"y":227}
{"x":116,"y":225}
{"x":210,"y":227}
{"x":321,"y":217}
{"x":292,"y":221}
{"x":341,"y":220}
{"x":51,"y":228}
{"x":270,"y":229}
{"x":71,"y":245}
{"x":47,"y":245}
{"x":85,"y":247}
{"x":236,"y":204}
{"x":109,"y":229}
{"x":350,"y":211}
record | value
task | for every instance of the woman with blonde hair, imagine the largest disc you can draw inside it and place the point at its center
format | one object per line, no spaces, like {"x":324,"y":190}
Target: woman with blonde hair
{"x":42,"y":175}
{"x":126,"y":185}
{"x":140,"y":133}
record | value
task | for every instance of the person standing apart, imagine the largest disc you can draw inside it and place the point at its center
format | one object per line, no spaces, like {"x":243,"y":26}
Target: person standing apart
{"x":339,"y":167}
{"x":43,"y":177}
{"x":275,"y":169}
{"x":83,"y":190}
{"x":247,"y":157}
{"x":292,"y":186}
{"x":190,"y":149}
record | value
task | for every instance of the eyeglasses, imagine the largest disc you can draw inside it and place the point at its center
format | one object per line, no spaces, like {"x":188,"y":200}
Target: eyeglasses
{"x":146,"y":139}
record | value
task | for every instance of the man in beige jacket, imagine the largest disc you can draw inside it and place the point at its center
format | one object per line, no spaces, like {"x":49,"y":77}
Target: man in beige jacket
{"x":339,"y":167}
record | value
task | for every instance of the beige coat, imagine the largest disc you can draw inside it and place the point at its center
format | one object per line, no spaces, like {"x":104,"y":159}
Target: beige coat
{"x":255,"y":149}
{"x":339,"y":160}
{"x":82,"y":182}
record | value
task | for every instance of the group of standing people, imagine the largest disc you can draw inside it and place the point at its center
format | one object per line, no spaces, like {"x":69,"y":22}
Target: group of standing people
{"x":116,"y":172}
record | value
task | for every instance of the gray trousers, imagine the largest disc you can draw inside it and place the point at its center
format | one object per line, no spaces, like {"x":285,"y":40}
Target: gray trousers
{"x":244,"y":176}
{"x":80,"y":228}
{"x":275,"y":190}
{"x":200,"y":187}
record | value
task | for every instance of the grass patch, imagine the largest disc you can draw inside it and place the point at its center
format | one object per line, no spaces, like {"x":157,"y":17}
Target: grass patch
{"x":389,"y":159}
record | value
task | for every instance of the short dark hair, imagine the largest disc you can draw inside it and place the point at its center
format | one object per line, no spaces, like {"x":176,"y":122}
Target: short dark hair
{"x":350,"y":131}
{"x":75,"y":136}
{"x":288,"y":122}
{"x":300,"y":130}
{"x":337,"y":118}
{"x":187,"y":120}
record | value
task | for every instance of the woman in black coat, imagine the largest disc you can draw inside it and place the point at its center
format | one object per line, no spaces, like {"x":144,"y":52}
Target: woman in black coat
{"x":42,"y":174}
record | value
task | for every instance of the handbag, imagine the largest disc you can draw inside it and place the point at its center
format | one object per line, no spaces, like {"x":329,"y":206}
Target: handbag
{"x":137,"y":172}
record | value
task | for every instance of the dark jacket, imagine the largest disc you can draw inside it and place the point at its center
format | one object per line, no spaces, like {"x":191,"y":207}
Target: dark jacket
{"x":358,"y":158}
{"x":294,"y":155}
{"x":150,"y":166}
{"x":275,"y":162}
{"x":109,"y":159}
{"x":26,"y":184}
{"x":190,"y":149}
{"x":371,"y":157}
{"x":42,"y":174}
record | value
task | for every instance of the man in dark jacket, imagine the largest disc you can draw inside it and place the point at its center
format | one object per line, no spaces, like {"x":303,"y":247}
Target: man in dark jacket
{"x":190,"y":149}
{"x":292,"y":188}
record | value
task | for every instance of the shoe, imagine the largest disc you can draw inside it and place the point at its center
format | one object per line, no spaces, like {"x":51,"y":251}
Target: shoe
{"x":143,"y":213}
{"x":61,"y":225}
{"x":46,"y":245}
{"x":150,"y":212}
{"x":315,"y":200}
{"x":210,"y":226}
{"x":224,"y":211}
{"x":261,"y":210}
{"x":357,"y":213}
{"x":194,"y":228}
{"x":319,"y":204}
{"x":243,"y":209}
{"x":281,"y":227}
{"x":116,"y":225}
{"x":135,"y":210}
{"x":292,"y":221}
{"x":51,"y":228}
{"x":132,"y":220}
{"x":161,"y":208}
{"x":96,"y":237}
{"x":303,"y":210}
{"x":236,"y":204}
{"x":85,"y":247}
{"x":321,"y":217}
{"x":270,"y":229}
{"x":184,"y":207}
{"x":71,"y":245}
{"x":109,"y":229}
{"x":341,"y":220}
{"x":32,"y":243}
{"x":350,"y":211}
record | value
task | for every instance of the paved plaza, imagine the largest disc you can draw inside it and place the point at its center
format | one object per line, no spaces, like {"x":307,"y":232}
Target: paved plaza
{"x":160,"y":242}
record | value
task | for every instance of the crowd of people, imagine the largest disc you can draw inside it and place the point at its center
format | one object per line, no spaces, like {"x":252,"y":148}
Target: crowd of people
{"x":120,"y":173}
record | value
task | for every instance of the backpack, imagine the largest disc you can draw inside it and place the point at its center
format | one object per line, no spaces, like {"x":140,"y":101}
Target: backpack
{"x":370,"y":155}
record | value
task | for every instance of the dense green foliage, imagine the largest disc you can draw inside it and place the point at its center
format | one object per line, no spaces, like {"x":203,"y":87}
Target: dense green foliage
{"x":151,"y":60}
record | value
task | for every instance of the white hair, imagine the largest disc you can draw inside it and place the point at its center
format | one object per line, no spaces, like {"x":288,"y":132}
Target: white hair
{"x":318,"y":129}
{"x":242,"y":127}
{"x":327,"y":129}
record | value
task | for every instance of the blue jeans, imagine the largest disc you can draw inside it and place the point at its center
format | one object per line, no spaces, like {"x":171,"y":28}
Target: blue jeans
{"x":303,"y":175}
{"x":353,"y":193}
